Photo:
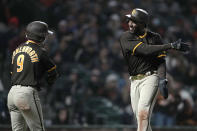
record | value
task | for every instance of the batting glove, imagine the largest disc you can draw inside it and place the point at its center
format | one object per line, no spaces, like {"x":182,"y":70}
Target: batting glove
{"x":163,"y":88}
{"x":179,"y":45}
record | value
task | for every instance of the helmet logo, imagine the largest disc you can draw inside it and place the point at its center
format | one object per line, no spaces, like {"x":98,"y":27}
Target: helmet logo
{"x":134,"y":12}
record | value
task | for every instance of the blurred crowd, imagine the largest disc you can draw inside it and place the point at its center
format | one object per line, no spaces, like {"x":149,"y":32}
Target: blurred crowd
{"x":93,"y":87}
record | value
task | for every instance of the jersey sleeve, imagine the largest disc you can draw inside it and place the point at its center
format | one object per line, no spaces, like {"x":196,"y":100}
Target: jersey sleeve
{"x":50,"y":68}
{"x":138,"y":47}
{"x":47,"y":61}
{"x":161,"y":56}
{"x":158,"y":41}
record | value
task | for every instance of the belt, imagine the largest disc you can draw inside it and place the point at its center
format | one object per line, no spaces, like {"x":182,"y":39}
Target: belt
{"x":35,"y":87}
{"x":141,"y":76}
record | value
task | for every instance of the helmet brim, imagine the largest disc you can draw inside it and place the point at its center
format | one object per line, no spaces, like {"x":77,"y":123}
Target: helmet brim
{"x":128,"y":15}
{"x":50,"y":32}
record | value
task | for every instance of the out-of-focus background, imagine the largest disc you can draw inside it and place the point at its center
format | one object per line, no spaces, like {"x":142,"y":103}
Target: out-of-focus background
{"x":93,"y":87}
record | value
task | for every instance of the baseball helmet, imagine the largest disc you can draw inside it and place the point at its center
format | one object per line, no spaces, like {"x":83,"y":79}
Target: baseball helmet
{"x":37,"y":31}
{"x":139,"y":16}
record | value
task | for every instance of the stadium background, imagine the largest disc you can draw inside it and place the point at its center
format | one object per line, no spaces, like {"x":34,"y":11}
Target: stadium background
{"x":93,"y":88}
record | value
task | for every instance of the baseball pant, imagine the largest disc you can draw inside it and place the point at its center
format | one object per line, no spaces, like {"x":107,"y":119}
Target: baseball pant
{"x":143,"y":96}
{"x":25,"y":109}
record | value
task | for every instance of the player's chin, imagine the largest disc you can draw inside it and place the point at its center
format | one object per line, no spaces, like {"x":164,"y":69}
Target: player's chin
{"x":132,"y":30}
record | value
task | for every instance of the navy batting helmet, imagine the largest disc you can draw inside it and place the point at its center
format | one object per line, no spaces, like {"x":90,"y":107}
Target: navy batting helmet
{"x":139,"y":16}
{"x":37,"y":31}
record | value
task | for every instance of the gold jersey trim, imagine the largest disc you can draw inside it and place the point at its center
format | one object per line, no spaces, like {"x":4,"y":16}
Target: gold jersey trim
{"x":53,"y":68}
{"x":136,"y":47}
{"x":162,"y":55}
{"x":142,"y":36}
{"x":31,"y":41}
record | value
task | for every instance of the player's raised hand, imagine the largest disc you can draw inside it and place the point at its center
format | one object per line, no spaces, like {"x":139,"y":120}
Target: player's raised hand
{"x":181,"y":46}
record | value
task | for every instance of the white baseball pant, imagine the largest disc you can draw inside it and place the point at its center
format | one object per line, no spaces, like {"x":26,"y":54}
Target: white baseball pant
{"x":143,"y":96}
{"x":25,"y":109}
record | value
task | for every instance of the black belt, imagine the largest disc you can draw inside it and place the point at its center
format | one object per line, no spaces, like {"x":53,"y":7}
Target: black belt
{"x":35,"y":87}
{"x":141,"y":76}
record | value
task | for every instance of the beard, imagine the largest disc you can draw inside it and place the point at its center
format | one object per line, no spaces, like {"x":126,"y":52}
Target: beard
{"x":137,"y":30}
{"x":132,"y":29}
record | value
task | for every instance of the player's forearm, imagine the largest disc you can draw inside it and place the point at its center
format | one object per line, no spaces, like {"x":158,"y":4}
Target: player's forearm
{"x":145,"y":49}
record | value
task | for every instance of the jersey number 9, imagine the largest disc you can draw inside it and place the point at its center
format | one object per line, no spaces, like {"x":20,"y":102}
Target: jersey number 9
{"x":20,"y":61}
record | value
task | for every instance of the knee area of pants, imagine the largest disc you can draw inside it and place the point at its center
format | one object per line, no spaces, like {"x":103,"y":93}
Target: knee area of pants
{"x":143,"y":114}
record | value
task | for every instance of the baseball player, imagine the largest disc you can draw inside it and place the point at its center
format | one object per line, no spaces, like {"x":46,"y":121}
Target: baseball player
{"x":30,"y":63}
{"x":144,"y":53}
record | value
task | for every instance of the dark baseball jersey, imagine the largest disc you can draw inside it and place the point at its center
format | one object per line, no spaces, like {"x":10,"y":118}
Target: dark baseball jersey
{"x":29,"y":63}
{"x":143,"y":53}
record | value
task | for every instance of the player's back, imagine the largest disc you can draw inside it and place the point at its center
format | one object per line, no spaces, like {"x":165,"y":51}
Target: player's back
{"x":27,"y":68}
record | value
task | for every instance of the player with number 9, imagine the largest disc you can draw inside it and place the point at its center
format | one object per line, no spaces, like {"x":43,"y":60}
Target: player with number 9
{"x":30,"y":62}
